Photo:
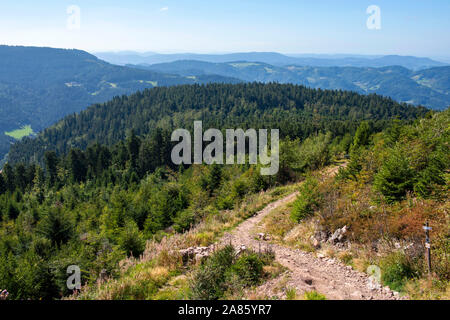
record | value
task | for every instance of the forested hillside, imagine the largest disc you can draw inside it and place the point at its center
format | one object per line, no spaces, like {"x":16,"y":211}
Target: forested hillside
{"x":395,"y":181}
{"x":111,"y":186}
{"x":429,"y":87}
{"x":297,"y":111}
{"x":39,"y":86}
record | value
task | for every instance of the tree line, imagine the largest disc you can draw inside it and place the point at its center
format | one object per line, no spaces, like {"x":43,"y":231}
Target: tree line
{"x":296,"y":110}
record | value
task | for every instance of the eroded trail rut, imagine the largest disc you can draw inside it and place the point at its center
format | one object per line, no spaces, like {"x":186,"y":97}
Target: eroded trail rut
{"x":307,"y":272}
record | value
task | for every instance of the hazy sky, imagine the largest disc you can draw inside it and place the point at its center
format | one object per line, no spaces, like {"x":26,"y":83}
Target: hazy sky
{"x":408,"y":27}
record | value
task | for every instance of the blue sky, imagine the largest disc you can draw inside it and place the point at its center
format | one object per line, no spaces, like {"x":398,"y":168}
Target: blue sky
{"x":408,"y":27}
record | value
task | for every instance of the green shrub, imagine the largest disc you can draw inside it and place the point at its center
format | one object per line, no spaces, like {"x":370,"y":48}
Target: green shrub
{"x":431,"y":177}
{"x":12,"y":211}
{"x":131,"y":240}
{"x":307,"y":201}
{"x":258,"y":182}
{"x":314,"y":152}
{"x":395,"y":177}
{"x":226,"y":202}
{"x":56,"y":227}
{"x":208,"y":281}
{"x":314,"y":295}
{"x":248,"y":268}
{"x":184,"y":220}
{"x":291,"y":294}
{"x":362,"y":136}
{"x":239,"y":189}
{"x":42,"y":247}
{"x":222,"y":273}
{"x":396,"y":270}
{"x":354,"y":166}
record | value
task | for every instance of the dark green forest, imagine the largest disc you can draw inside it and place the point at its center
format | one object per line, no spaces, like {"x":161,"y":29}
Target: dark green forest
{"x":296,"y":110}
{"x":92,"y":189}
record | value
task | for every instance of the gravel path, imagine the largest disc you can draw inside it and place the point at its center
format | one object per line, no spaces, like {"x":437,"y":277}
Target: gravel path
{"x":325,"y":275}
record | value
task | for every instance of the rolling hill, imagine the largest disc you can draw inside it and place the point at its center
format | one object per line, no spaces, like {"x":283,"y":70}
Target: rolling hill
{"x":274,"y":58}
{"x":39,"y":86}
{"x":429,"y":87}
{"x":296,"y":110}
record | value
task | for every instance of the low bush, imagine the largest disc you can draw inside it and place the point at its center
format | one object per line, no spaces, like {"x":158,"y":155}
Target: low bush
{"x":131,"y":240}
{"x":223,"y":273}
{"x":184,"y":221}
{"x":307,"y":201}
{"x":248,"y":268}
{"x":208,"y":281}
{"x":314,"y":295}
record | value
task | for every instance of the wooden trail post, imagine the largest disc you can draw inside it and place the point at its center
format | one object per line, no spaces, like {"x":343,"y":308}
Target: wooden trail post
{"x":427,"y":229}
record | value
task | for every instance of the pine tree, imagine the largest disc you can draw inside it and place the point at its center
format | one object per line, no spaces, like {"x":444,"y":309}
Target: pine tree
{"x":395,"y":177}
{"x":131,"y":239}
{"x":2,"y":185}
{"x":20,"y":177}
{"x":8,"y":174}
{"x":77,"y":165}
{"x":214,"y":178}
{"x":133,"y":145}
{"x":362,"y":136}
{"x":56,"y":227}
{"x":51,"y":162}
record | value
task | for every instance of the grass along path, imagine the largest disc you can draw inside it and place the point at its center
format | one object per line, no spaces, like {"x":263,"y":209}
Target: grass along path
{"x":307,"y":273}
{"x":157,"y":274}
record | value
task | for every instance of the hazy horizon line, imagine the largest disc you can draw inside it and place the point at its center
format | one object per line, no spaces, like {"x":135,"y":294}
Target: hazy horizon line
{"x":290,"y":54}
{"x":438,"y":58}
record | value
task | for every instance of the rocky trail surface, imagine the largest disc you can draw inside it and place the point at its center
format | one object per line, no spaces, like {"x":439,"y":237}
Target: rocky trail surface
{"x":307,"y":272}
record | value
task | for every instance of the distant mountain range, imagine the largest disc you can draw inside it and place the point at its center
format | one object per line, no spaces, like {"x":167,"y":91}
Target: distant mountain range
{"x":277,"y":59}
{"x":39,"y":86}
{"x":428,"y":87}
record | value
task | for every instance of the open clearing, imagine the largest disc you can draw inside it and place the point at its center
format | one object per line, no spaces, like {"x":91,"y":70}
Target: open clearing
{"x":18,"y":134}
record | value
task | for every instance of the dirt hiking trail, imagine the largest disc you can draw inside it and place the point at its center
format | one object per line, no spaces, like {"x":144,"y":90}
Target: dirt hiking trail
{"x":306,"y":272}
